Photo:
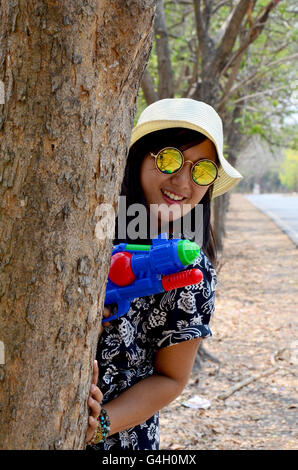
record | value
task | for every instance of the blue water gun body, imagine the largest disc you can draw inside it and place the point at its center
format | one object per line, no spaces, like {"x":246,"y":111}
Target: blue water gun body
{"x":142,"y":270}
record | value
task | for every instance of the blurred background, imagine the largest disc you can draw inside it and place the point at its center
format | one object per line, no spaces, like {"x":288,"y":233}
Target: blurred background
{"x":241,"y":58}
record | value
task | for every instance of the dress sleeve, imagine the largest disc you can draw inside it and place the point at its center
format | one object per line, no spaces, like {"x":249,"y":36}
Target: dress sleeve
{"x":184,"y":313}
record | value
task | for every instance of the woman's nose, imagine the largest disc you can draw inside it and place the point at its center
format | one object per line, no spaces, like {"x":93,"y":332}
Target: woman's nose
{"x":183,"y":176}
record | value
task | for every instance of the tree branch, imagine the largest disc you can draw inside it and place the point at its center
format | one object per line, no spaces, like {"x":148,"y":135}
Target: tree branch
{"x":230,"y":82}
{"x":182,"y":75}
{"x":258,"y":93}
{"x":235,"y":388}
{"x":223,"y":28}
{"x":165,"y":72}
{"x":148,"y":88}
{"x":229,"y":37}
{"x":220,"y":5}
{"x":255,"y":30}
{"x":205,"y":42}
{"x":207,"y":12}
{"x":199,"y":21}
{"x":258,"y":74}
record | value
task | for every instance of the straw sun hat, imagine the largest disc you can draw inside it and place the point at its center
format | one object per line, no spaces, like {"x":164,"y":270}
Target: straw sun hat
{"x":190,"y":114}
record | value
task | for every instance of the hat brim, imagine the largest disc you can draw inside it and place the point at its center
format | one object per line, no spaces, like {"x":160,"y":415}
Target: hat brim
{"x":228,"y":176}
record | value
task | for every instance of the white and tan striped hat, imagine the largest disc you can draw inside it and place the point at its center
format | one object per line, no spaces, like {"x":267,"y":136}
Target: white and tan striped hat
{"x":190,"y":114}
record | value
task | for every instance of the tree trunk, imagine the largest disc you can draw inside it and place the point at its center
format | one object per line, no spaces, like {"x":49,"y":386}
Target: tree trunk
{"x":165,"y":72}
{"x":71,"y":72}
{"x":221,"y":204}
{"x":219,"y":215}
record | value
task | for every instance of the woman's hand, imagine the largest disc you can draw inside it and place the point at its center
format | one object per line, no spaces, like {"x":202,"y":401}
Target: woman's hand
{"x":94,"y":400}
{"x":106,"y":313}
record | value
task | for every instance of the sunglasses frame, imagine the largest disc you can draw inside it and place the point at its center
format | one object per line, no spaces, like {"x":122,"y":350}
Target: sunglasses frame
{"x":182,"y":165}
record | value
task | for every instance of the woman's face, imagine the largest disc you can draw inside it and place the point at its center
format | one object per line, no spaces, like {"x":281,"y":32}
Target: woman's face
{"x":155,"y":184}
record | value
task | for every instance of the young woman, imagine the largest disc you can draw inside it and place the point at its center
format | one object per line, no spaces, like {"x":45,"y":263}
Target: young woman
{"x":145,"y":357}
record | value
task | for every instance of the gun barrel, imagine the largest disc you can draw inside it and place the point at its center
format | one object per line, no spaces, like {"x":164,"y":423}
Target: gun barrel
{"x":182,"y":279}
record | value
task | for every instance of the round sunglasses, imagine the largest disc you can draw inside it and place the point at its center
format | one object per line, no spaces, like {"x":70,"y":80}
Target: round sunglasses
{"x":170,"y":160}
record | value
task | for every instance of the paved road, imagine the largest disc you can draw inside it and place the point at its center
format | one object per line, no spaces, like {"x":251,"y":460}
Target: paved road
{"x":282,"y":209}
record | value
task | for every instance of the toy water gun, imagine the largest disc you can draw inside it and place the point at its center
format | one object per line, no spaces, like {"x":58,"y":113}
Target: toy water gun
{"x":142,"y":270}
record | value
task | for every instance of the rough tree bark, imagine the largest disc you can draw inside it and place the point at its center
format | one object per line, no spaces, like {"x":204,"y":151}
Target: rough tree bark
{"x":71,"y":71}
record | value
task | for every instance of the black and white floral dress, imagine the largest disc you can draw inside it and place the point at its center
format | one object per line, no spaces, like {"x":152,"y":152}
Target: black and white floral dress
{"x":126,"y":349}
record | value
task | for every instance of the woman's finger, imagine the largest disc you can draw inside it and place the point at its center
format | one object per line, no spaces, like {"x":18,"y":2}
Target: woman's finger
{"x":92,"y":426}
{"x":107,"y":313}
{"x":95,"y":373}
{"x":96,"y":393}
{"x":92,"y":423}
{"x":94,"y":407}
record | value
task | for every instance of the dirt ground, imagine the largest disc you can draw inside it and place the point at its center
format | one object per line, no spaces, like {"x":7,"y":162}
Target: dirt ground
{"x":255,"y":338}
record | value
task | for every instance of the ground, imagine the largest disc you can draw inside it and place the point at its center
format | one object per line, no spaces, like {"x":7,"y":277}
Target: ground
{"x":254,"y":332}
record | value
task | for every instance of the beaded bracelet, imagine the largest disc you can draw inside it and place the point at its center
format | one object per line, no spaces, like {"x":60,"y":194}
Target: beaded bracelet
{"x":103,"y":428}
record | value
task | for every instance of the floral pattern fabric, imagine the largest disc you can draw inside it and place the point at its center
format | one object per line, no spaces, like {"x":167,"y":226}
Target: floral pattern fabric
{"x":126,"y":349}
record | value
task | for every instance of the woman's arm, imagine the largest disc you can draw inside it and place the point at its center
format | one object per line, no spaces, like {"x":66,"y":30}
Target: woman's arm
{"x":172,"y":368}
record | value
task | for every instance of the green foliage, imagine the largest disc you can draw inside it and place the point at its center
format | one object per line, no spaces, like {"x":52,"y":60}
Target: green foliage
{"x":265,"y":82}
{"x":289,"y":172}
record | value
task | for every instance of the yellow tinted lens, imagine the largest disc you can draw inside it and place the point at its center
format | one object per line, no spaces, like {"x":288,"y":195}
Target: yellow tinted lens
{"x":204,"y":173}
{"x":169,"y":160}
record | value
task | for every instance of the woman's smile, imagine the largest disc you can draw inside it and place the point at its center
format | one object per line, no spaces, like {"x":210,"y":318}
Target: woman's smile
{"x":172,"y":197}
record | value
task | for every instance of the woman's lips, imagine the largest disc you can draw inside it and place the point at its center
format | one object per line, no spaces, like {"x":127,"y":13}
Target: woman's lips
{"x":171,"y":201}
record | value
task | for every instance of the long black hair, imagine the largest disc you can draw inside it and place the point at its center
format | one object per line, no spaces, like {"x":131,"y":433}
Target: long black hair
{"x":131,"y":186}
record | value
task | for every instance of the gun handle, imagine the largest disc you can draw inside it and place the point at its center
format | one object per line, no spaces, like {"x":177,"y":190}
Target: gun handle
{"x":123,"y":308}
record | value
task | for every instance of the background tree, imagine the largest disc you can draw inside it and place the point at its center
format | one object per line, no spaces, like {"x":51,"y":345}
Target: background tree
{"x":71,"y":71}
{"x":236,"y":56}
{"x":261,"y":166}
